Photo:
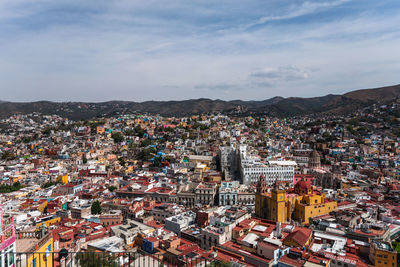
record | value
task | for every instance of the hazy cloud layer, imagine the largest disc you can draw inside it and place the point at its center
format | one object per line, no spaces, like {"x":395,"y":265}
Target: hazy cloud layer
{"x":70,"y":50}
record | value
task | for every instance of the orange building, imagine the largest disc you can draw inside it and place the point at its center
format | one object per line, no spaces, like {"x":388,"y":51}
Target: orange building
{"x":382,"y":254}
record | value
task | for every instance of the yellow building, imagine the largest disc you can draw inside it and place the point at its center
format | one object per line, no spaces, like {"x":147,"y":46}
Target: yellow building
{"x":42,"y":256}
{"x":274,"y":206}
{"x":382,"y":254}
{"x":41,"y":206}
{"x":63,"y":179}
{"x":38,"y":249}
{"x":309,"y":204}
{"x":49,"y":220}
{"x":279,"y":206}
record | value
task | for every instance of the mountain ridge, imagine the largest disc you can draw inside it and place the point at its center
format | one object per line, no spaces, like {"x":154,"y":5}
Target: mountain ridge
{"x":275,"y":106}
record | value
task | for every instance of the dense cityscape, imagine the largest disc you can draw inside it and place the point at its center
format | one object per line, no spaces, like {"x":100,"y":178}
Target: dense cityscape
{"x":201,"y":190}
{"x":199,"y":133}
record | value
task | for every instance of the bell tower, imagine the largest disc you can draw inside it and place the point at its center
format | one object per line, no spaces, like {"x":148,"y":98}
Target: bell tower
{"x":261,"y":197}
{"x":262,"y":185}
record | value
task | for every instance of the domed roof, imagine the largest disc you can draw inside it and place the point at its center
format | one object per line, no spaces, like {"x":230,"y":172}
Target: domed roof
{"x":303,"y":185}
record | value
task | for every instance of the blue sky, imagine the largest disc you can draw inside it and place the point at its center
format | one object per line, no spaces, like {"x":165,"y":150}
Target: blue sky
{"x":79,"y":50}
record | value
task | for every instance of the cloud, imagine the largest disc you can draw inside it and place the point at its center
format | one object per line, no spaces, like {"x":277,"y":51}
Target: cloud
{"x":271,"y":76}
{"x":305,"y":8}
{"x":138,"y":50}
{"x":262,"y":78}
{"x":220,"y":86}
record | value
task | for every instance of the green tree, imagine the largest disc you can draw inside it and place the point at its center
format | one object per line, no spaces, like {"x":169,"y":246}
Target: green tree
{"x":129,"y":132}
{"x":111,"y":188}
{"x":84,"y":159}
{"x":157,"y":162}
{"x":96,"y":208}
{"x":139,"y":131}
{"x":48,"y":184}
{"x":7,"y":155}
{"x":117,"y":136}
{"x":46,"y":131}
{"x":5,"y":188}
{"x":122,"y":162}
{"x":145,"y":142}
{"x":93,"y":259}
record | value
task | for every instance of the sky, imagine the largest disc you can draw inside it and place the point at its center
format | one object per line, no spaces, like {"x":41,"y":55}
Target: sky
{"x":135,"y":50}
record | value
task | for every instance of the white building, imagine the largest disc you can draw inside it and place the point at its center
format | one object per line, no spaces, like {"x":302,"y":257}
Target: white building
{"x":281,"y":171}
{"x":179,"y":222}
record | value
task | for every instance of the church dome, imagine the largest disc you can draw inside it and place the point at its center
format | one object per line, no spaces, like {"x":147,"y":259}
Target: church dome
{"x":303,"y":185}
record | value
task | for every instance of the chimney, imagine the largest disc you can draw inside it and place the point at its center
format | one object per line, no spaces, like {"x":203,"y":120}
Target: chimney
{"x":278,"y":230}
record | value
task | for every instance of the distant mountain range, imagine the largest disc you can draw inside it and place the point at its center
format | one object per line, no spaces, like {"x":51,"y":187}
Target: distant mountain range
{"x":276,"y":106}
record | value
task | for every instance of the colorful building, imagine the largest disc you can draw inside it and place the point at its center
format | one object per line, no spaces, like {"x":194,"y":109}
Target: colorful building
{"x":38,"y":247}
{"x":382,"y":254}
{"x":47,"y":220}
{"x":272,"y":206}
{"x":310,"y":204}
{"x":7,"y":240}
{"x":64,"y":179}
{"x":281,"y":206}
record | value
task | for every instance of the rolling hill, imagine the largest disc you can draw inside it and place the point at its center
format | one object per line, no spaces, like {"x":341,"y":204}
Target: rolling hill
{"x":276,"y":106}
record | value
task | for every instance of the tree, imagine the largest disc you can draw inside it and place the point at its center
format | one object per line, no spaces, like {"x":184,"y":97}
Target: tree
{"x":146,"y":154}
{"x":145,"y":142}
{"x":157,"y":161}
{"x":96,"y":208}
{"x":46,"y":131}
{"x":7,"y":155}
{"x":122,"y":162}
{"x":111,"y":188}
{"x":117,"y":136}
{"x":48,"y":184}
{"x":5,"y":188}
{"x":90,"y":259}
{"x":139,"y":131}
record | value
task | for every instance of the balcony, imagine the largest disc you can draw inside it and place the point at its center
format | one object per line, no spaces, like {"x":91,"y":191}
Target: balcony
{"x":7,"y":229}
{"x":106,"y":259}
